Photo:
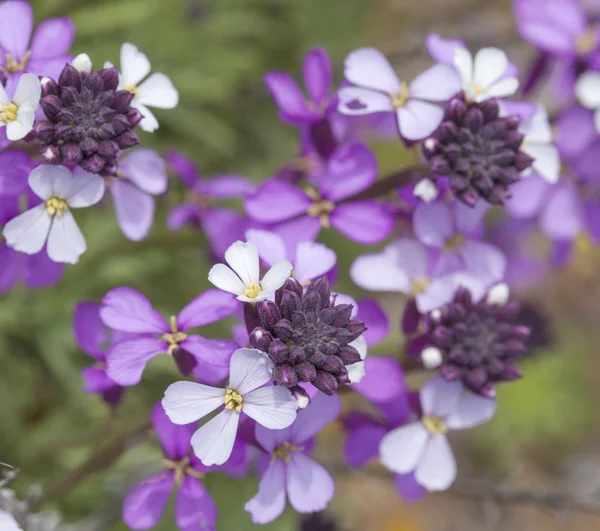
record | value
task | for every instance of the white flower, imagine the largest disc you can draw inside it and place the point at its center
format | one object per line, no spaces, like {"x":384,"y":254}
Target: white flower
{"x":155,"y":91}
{"x":242,"y":279}
{"x":52,"y":220}
{"x":82,"y":63}
{"x":587,"y":90}
{"x":483,"y":77}
{"x":8,"y":522}
{"x":273,"y":407}
{"x":18,"y":114}
{"x":538,"y":144}
{"x":425,"y":189}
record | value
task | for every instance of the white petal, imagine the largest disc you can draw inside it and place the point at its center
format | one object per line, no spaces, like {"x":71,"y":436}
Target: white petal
{"x":4,"y":99}
{"x":368,"y":67}
{"x":249,"y":369}
{"x":158,"y":91}
{"x":597,"y":120}
{"x":213,"y":442}
{"x":271,"y":247}
{"x":537,"y":129}
{"x":437,"y":469}
{"x":498,"y":294}
{"x":356,"y":371}
{"x":29,"y":91}
{"x":134,"y":64}
{"x":243,"y":259}
{"x":47,"y":181}
{"x":273,"y":407}
{"x":463,"y":61}
{"x":85,"y":189}
{"x":186,"y":402}
{"x":224,"y":278}
{"x":547,"y":160}
{"x":149,"y":122}
{"x":587,"y":89}
{"x":23,"y":125}
{"x":27,"y":232}
{"x":83,"y":63}
{"x":312,"y":261}
{"x":380,"y":272}
{"x":276,"y":276}
{"x":439,"y":397}
{"x":426,"y":190}
{"x":488,"y":66}
{"x":401,"y":449}
{"x":369,"y":100}
{"x":472,"y":410}
{"x":8,"y":522}
{"x":65,"y":241}
{"x":504,"y":87}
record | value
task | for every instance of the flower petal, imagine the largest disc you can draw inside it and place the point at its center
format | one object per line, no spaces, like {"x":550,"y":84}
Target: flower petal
{"x":383,"y":380}
{"x":362,"y":443}
{"x":128,"y":310}
{"x":174,"y":438}
{"x":288,"y":97}
{"x":242,"y":257}
{"x":527,"y":197}
{"x":17,"y":20}
{"x":47,"y":181}
{"x":213,"y":442}
{"x":149,"y":122}
{"x":127,"y":359}
{"x":401,"y":449}
{"x":83,"y":190}
{"x":433,"y":224}
{"x":562,"y":218}
{"x":186,"y":402}
{"x":52,"y":38}
{"x":438,"y":83}
{"x":440,"y":397}
{"x":484,"y":260}
{"x":275,"y":201}
{"x":463,"y":62}
{"x":271,"y":247}
{"x":89,"y":330}
{"x":472,"y":410}
{"x":227,"y":186}
{"x":380,"y":272}
{"x":488,"y":66}
{"x":309,"y":486}
{"x":28,"y":92}
{"x":65,"y":241}
{"x":276,"y":276}
{"x":419,"y":119}
{"x":312,"y":261}
{"x":144,"y":504}
{"x":501,"y":89}
{"x":321,"y":411}
{"x":249,"y":370}
{"x":547,"y":160}
{"x":23,"y":125}
{"x":214,"y":352}
{"x":272,"y":407}
{"x":134,"y":65}
{"x":369,"y":68}
{"x":8,"y":522}
{"x":146,"y":169}
{"x":134,"y":209}
{"x":194,"y":508}
{"x":210,"y":306}
{"x":437,"y":468}
{"x":27,"y":232}
{"x":269,"y":501}
{"x":378,"y":326}
{"x":158,"y":91}
{"x":442,"y":50}
{"x":366,"y":222}
{"x":587,"y":89}
{"x":318,"y":76}
{"x":357,"y":101}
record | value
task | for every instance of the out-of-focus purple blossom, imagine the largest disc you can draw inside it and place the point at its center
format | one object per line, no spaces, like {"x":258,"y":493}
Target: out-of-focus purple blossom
{"x":125,"y":310}
{"x":15,"y":167}
{"x":350,"y":170}
{"x":287,"y":469}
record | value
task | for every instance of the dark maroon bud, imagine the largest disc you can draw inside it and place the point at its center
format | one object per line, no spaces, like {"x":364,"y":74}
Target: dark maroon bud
{"x":261,"y":339}
{"x":88,"y":146}
{"x":109,"y":169}
{"x":320,"y":286}
{"x":110,"y":78}
{"x":134,"y":117}
{"x":442,"y":337}
{"x":349,"y":355}
{"x":290,"y":303}
{"x":514,"y":140}
{"x":51,"y":154}
{"x":49,"y":87}
{"x":463,"y":296}
{"x":495,"y":367}
{"x":333,"y":364}
{"x":70,"y":77}
{"x":283,"y":330}
{"x":68,"y":96}
{"x":523,"y":161}
{"x":301,"y":396}
{"x":306,"y":371}
{"x":325,"y":382}
{"x":439,"y":165}
{"x":457,"y":311}
{"x":44,"y":131}
{"x":511,"y":372}
{"x":490,"y":110}
{"x":120,"y":124}
{"x":318,"y":359}
{"x":107,"y":148}
{"x":297,"y":354}
{"x":356,"y":328}
{"x":488,"y":390}
{"x":475,"y":378}
{"x":93,"y":163}
{"x":457,"y":110}
{"x":342,"y":315}
{"x":514,"y":347}
{"x":122,"y":100}
{"x":93,"y":83}
{"x":311,"y":302}
{"x":71,"y":153}
{"x":474,"y":119}
{"x":458,"y":355}
{"x":51,"y":106}
{"x":269,"y":314}
{"x":343,"y":377}
{"x":127,"y":139}
{"x":451,"y":372}
{"x":279,"y":352}
{"x":285,"y":375}
{"x":332,"y":348}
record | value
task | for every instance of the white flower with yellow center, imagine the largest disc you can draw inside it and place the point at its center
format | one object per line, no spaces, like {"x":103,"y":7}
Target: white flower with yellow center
{"x":242,"y":278}
{"x":157,"y":90}
{"x":18,"y":114}
{"x":52,"y":220}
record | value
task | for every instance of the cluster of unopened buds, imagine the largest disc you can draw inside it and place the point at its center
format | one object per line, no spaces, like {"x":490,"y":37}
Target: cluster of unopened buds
{"x":266,"y":392}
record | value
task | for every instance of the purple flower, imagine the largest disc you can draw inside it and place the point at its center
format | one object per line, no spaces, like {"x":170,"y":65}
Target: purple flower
{"x":46,"y":54}
{"x":141,"y":175}
{"x":308,"y":485}
{"x":126,"y":310}
{"x":194,"y":508}
{"x":350,"y":170}
{"x":221,"y":226}
{"x":377,"y":88}
{"x":294,"y":107}
{"x":15,"y":167}
{"x":91,"y":336}
{"x":422,"y":447}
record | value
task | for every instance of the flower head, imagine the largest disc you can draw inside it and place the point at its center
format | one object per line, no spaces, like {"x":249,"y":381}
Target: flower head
{"x":52,"y":220}
{"x":18,"y":113}
{"x":242,"y":277}
{"x":273,"y":407}
{"x":308,"y":336}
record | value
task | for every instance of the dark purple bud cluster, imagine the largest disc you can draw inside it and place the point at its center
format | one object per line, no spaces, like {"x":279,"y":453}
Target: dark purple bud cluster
{"x":308,"y":336}
{"x":479,"y":343}
{"x":88,"y":120}
{"x":478,"y":150}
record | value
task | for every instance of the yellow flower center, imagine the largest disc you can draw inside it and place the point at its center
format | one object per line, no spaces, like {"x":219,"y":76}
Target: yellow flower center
{"x":131,"y":88}
{"x":253,"y":291}
{"x":13,"y":66}
{"x":434,"y":425}
{"x":587,"y":41}
{"x":419,"y":285}
{"x":321,"y":208}
{"x":174,"y":338}
{"x":399,"y":99}
{"x":283,"y":452}
{"x":9,"y":112}
{"x":182,"y":468}
{"x":454,"y":243}
{"x":233,"y":400}
{"x":57,"y":206}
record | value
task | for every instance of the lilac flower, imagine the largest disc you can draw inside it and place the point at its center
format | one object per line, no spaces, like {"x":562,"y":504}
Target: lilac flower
{"x":273,"y":407}
{"x":350,"y":170}
{"x":15,"y":167}
{"x":126,"y":310}
{"x":194,"y":508}
{"x":318,"y":78}
{"x":422,"y":447}
{"x":453,"y":230}
{"x":46,"y":54}
{"x":538,"y":144}
{"x":405,"y":266}
{"x":308,"y":485}
{"x":221,"y":226}
{"x":155,"y":91}
{"x":242,"y":277}
{"x":377,"y":88}
{"x":18,"y":113}
{"x":141,"y":175}
{"x":311,"y":260}
{"x":91,"y":336}
{"x":442,"y":50}
{"x":8,"y":522}
{"x":52,"y":220}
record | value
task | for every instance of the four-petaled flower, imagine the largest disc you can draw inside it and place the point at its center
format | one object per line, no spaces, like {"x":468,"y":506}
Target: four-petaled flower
{"x":18,"y":113}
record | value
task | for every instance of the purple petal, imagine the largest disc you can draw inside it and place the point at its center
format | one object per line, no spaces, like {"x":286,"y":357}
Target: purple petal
{"x":208,"y":307}
{"x":271,"y":439}
{"x":419,"y":119}
{"x":528,"y":197}
{"x":134,"y":209}
{"x":48,"y":68}
{"x":575,"y":132}
{"x":383,"y":380}
{"x":378,"y":326}
{"x":410,"y":318}
{"x":592,"y":214}
{"x":146,"y":169}
{"x":52,"y":38}
{"x":175,"y":439}
{"x":484,"y":260}
{"x":313,"y":260}
{"x":271,"y":247}
{"x":442,"y":50}
{"x":210,"y":374}
{"x":269,"y":502}
{"x":289,"y":98}
{"x":15,"y":167}
{"x":317,"y":75}
{"x":321,"y":411}
{"x":40,"y":271}
{"x":438,"y":83}
{"x":12,"y":267}
{"x":309,"y":486}
{"x":305,"y":228}
{"x":90,"y":332}
{"x":126,"y":360}
{"x":222,"y":227}
{"x":185,"y":169}
{"x":128,"y":310}
{"x":362,"y":443}
{"x":95,"y":380}
{"x":469,"y":219}
{"x":409,"y":489}
{"x":275,"y":201}
{"x":440,"y":397}
{"x":195,"y":510}
{"x":227,"y":187}
{"x":17,"y":19}
{"x":365,"y":222}
{"x":182,"y":214}
{"x":433,"y":224}
{"x":214,"y":352}
{"x":144,"y":505}
{"x":351,"y":169}
{"x":562,"y":218}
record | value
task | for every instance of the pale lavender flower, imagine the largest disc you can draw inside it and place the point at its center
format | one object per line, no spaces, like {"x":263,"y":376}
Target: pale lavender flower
{"x":273,"y":407}
{"x":288,"y":469}
{"x":422,"y":447}
{"x":15,"y":167}
{"x":376,"y":88}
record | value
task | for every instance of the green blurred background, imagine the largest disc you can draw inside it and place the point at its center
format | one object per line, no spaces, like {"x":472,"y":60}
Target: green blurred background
{"x":216,"y":52}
